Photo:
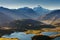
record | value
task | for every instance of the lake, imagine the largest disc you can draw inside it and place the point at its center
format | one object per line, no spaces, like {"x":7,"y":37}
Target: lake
{"x":23,"y":36}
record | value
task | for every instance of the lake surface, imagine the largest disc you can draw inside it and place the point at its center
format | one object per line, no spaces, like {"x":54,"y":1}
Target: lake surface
{"x":50,"y":33}
{"x":23,"y":36}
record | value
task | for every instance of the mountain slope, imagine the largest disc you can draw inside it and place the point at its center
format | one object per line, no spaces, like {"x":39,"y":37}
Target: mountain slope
{"x":4,"y":18}
{"x":53,"y":16}
{"x":28,"y":24}
{"x":9,"y":12}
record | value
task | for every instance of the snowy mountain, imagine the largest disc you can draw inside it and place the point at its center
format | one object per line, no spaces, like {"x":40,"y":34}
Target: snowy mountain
{"x":41,"y":10}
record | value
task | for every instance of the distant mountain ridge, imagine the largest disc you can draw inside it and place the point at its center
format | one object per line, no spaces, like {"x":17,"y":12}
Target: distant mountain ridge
{"x":26,"y":13}
{"x":22,"y":12}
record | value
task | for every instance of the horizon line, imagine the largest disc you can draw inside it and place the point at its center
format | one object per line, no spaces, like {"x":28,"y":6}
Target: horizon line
{"x":29,"y":7}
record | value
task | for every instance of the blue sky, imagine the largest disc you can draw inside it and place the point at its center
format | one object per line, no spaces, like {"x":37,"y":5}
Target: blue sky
{"x":13,"y":4}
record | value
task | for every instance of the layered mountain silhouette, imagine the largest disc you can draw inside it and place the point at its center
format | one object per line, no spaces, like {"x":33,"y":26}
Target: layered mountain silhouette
{"x":26,"y":13}
{"x":20,"y":13}
{"x":8,"y":15}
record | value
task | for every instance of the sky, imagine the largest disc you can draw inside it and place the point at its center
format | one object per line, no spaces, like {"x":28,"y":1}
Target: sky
{"x":14,"y":4}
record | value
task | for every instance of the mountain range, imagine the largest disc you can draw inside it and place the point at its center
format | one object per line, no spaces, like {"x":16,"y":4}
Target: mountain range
{"x":26,"y":13}
{"x":36,"y":13}
{"x":18,"y":14}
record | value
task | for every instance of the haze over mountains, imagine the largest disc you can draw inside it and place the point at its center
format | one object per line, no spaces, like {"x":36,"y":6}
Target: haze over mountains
{"x":53,"y":14}
{"x":52,"y":17}
{"x":4,"y":18}
{"x":27,"y":13}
